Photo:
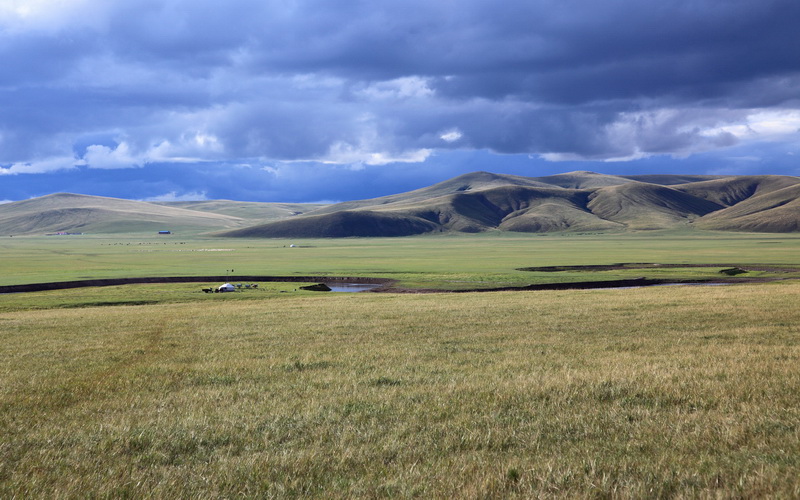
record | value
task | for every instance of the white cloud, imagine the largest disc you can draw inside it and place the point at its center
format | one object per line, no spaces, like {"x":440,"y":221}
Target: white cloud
{"x":174,"y":196}
{"x":406,"y":87}
{"x":206,"y":141}
{"x":48,"y":15}
{"x":106,"y":158}
{"x":680,"y":132}
{"x":761,"y":124}
{"x":42,"y":166}
{"x":272,"y":170}
{"x":344,"y":153}
{"x":451,"y":135}
{"x":191,"y":146}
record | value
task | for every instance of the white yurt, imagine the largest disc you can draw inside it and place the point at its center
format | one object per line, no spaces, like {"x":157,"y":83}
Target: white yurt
{"x":227,"y":287}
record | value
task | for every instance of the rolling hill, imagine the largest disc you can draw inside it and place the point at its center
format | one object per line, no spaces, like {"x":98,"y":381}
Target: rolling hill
{"x":346,"y":223}
{"x":772,"y":212}
{"x":66,"y":212}
{"x":246,"y":210}
{"x":475,"y":202}
{"x":575,"y":201}
{"x":732,"y":190}
{"x":639,"y":205}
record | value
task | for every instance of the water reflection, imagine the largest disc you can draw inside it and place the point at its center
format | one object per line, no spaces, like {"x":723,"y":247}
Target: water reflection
{"x":351,"y":287}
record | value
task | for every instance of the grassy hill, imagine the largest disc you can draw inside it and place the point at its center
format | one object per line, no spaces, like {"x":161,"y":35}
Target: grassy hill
{"x":509,"y":208}
{"x":774,"y":212}
{"x":467,"y":183}
{"x":729,"y":191}
{"x":74,"y":213}
{"x":340,"y":224}
{"x":672,"y":179}
{"x":583,"y":180}
{"x":65,"y":212}
{"x":246,"y":210}
{"x":470,"y":203}
{"x":575,"y":201}
{"x":638,"y":205}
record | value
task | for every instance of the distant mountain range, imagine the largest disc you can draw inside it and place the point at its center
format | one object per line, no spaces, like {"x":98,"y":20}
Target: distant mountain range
{"x":476,"y":202}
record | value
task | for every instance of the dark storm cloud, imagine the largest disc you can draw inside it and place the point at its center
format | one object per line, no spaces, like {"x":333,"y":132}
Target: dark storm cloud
{"x":566,"y":51}
{"x":93,"y":85}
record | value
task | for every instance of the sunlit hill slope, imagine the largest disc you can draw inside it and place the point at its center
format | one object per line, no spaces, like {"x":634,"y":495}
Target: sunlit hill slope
{"x":75,"y":213}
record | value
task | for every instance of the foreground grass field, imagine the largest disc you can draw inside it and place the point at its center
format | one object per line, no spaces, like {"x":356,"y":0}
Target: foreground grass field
{"x":656,"y":392}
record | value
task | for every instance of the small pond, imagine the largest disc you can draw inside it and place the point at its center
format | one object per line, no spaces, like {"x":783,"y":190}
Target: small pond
{"x":351,"y":287}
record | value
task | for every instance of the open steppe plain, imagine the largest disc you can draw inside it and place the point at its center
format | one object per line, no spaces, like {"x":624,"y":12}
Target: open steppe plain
{"x":159,"y":391}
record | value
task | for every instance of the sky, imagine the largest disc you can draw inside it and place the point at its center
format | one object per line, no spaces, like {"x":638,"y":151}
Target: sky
{"x":323,"y":101}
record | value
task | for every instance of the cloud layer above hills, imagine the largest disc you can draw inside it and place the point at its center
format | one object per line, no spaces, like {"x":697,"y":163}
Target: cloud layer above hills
{"x":149,"y":94}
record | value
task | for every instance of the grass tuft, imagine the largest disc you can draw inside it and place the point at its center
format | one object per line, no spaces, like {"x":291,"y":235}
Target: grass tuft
{"x":380,"y":381}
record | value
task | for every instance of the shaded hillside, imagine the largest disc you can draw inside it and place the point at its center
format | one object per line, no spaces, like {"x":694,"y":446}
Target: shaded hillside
{"x":639,"y":205}
{"x":510,"y":208}
{"x":774,"y":212}
{"x":575,"y":201}
{"x":339,"y":225}
{"x":553,"y":217}
{"x":80,"y":213}
{"x":513,"y":208}
{"x":732,"y":190}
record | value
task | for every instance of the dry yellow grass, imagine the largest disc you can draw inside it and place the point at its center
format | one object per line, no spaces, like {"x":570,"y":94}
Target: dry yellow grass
{"x":674,"y":391}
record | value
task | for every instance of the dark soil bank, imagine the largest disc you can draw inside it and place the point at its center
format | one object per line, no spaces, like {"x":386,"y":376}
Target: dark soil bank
{"x":645,"y":265}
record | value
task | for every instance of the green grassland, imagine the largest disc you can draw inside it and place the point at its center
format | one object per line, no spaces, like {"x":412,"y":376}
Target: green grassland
{"x":163,"y":391}
{"x":436,"y":261}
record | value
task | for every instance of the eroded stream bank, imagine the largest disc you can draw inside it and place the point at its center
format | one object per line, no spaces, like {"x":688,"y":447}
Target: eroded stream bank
{"x":376,"y":285}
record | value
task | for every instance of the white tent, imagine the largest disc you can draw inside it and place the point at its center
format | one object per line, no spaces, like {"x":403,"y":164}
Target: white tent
{"x":227,"y":287}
